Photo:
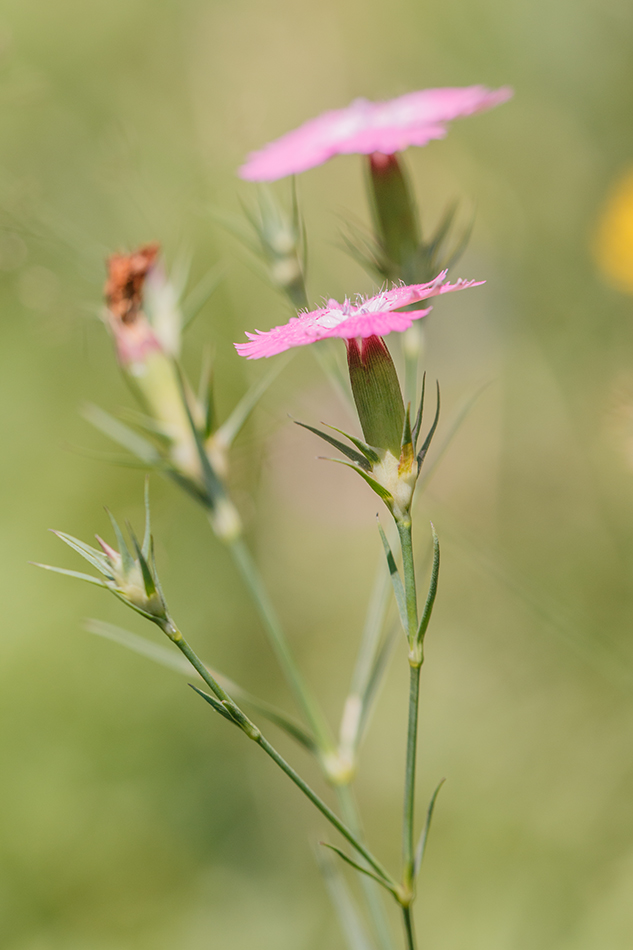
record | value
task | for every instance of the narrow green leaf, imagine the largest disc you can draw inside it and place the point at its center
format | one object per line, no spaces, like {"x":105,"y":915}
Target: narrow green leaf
{"x":396,"y":580}
{"x":204,"y":289}
{"x":421,"y":848}
{"x":62,"y":570}
{"x":380,"y":490}
{"x":430,"y":599}
{"x":147,"y":536}
{"x":122,"y":434}
{"x":375,"y":616}
{"x":344,"y":904}
{"x":442,"y":229}
{"x":167,"y":656}
{"x":452,"y":431}
{"x":343,"y":449}
{"x":431,"y":433}
{"x":213,"y":485}
{"x":124,"y":551}
{"x":230,"y":428}
{"x":415,"y":432}
{"x":234,"y":224}
{"x":370,"y":454}
{"x":375,"y":681}
{"x":460,"y":247}
{"x":189,"y":487}
{"x":148,"y":579}
{"x":139,"y":610}
{"x":356,"y":247}
{"x":146,"y":425}
{"x":121,"y":461}
{"x":205,"y":393}
{"x":217,"y":705}
{"x":359,"y":867}
{"x":91,"y":555}
{"x":406,"y":440}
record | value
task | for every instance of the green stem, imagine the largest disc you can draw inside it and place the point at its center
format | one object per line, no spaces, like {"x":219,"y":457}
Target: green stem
{"x":272,"y":625}
{"x":408,"y":928}
{"x":254,"y":733}
{"x":404,"y":530}
{"x":329,"y":814}
{"x":415,"y":661}
{"x":371,"y":890}
{"x":408,"y":847}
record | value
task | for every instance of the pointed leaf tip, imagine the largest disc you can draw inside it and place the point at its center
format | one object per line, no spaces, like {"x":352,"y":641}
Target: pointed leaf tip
{"x":421,"y":848}
{"x":147,"y":537}
{"x":354,"y":456}
{"x":358,"y":867}
{"x":431,"y":432}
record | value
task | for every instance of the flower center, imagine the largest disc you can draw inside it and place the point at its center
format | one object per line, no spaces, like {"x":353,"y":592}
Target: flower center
{"x":334,"y":315}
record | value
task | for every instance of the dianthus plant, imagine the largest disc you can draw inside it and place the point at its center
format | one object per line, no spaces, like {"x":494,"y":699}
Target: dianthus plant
{"x":176,"y":432}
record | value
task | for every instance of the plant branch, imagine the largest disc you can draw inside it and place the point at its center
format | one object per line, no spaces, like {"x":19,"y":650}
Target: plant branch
{"x":252,"y":731}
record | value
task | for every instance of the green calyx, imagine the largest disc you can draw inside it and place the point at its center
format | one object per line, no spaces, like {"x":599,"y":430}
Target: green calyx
{"x":394,"y":211}
{"x":396,"y":247}
{"x":390,"y":464}
{"x":376,"y":392}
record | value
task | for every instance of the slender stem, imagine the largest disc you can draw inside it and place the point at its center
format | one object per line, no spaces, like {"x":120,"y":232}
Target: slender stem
{"x":408,"y":848}
{"x":408,"y":927}
{"x":415,"y":661}
{"x":272,"y":625}
{"x":406,"y":544}
{"x":254,"y":733}
{"x":371,"y":891}
{"x":327,"y":811}
{"x":176,"y":637}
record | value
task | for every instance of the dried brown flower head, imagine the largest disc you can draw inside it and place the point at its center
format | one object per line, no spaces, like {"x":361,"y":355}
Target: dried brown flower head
{"x":126,"y":276}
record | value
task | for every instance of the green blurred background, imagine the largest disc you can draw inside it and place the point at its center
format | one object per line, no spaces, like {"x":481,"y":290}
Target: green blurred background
{"x":130,"y":817}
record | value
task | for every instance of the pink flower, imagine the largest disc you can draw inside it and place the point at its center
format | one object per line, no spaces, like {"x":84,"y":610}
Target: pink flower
{"x":372,"y":317}
{"x":366,"y":127}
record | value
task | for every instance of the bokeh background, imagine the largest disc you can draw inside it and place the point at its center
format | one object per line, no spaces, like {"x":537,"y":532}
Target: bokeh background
{"x":132,"y":818}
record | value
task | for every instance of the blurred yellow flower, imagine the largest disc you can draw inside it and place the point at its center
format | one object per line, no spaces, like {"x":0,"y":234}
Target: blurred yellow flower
{"x":613,"y":245}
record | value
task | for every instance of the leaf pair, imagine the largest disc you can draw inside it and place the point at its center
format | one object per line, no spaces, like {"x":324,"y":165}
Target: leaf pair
{"x":167,"y":656}
{"x":415,"y":638}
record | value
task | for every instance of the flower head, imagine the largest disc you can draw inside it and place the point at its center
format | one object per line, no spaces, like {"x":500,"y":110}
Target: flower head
{"x":366,"y":127}
{"x":132,"y":332}
{"x":375,"y":316}
{"x":129,"y":572}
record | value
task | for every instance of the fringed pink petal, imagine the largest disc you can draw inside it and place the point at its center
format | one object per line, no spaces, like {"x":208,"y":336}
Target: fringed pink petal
{"x":365,"y":127}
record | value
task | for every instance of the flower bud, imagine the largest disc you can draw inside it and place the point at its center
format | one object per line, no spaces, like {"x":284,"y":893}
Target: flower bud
{"x":146,"y":350}
{"x":128,"y":573}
